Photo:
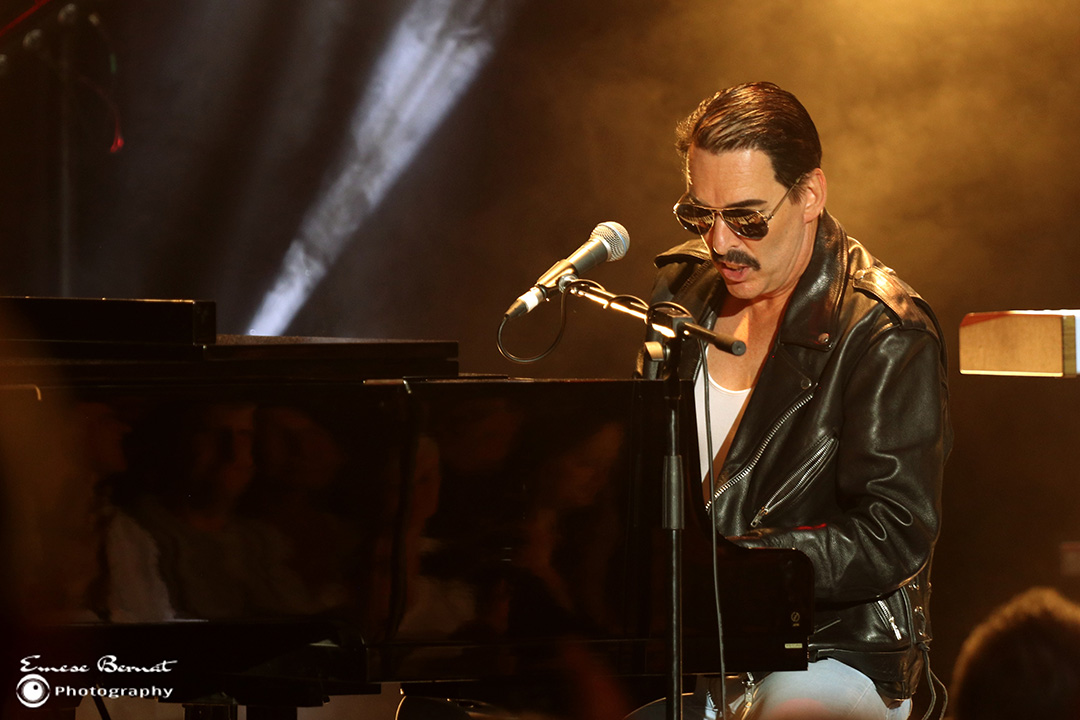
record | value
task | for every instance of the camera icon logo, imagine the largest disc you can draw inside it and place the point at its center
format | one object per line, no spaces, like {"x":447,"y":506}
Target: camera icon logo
{"x":33,"y":691}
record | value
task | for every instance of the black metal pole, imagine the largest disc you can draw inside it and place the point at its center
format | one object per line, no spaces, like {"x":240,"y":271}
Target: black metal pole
{"x":674,"y":521}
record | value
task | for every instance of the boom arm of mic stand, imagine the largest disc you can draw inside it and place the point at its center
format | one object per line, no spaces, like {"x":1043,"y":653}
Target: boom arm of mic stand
{"x":666,"y":321}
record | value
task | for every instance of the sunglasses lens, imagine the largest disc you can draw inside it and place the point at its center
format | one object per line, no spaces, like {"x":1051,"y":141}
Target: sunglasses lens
{"x":749,"y":224}
{"x":696,"y":219}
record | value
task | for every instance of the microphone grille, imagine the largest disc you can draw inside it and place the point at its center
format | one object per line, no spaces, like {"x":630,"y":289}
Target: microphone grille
{"x":614,"y":237}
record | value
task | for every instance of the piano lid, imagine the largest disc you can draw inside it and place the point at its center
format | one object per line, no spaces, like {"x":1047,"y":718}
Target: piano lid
{"x":90,"y":340}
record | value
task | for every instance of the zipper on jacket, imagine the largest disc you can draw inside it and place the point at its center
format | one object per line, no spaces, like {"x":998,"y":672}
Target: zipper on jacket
{"x":803,"y":474}
{"x":888,"y":617}
{"x":742,"y":474}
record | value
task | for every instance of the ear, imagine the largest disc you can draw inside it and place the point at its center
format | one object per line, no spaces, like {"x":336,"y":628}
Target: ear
{"x":814,"y":193}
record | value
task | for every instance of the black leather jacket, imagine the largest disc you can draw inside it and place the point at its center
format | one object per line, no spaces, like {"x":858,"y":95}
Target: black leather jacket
{"x":841,"y":448}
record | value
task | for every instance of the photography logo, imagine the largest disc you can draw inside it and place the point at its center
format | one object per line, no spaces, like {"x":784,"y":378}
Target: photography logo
{"x":33,"y":691}
{"x":107,"y":678}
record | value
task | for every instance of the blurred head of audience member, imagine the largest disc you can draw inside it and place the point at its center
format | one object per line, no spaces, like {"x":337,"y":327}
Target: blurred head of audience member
{"x":1022,"y":662}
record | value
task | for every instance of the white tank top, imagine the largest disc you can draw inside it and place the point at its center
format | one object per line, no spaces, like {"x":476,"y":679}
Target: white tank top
{"x":725,"y":409}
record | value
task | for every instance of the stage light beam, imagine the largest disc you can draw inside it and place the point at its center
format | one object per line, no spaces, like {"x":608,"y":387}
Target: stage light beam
{"x":434,"y":54}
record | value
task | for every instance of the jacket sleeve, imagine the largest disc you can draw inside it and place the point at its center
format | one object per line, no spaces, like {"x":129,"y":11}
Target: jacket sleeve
{"x":893,"y":442}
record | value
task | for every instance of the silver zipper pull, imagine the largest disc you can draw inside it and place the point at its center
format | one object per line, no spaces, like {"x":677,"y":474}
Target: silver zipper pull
{"x":890,"y":618}
{"x":895,"y":629}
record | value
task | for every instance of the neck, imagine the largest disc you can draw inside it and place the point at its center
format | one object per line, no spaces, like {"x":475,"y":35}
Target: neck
{"x":761,"y":308}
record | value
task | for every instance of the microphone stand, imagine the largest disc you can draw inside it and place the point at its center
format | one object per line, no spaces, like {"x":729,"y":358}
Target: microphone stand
{"x":674,"y":327}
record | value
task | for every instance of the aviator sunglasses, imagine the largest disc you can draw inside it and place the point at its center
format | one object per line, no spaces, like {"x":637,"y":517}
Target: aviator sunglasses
{"x":744,"y":222}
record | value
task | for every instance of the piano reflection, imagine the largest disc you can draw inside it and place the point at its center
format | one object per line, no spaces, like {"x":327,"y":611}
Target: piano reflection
{"x":270,"y":522}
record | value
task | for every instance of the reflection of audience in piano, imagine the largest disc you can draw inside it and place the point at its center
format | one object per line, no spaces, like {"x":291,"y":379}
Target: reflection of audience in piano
{"x":184,"y":488}
{"x":55,"y":456}
{"x":151,"y":510}
{"x":301,"y":466}
{"x":458,"y":484}
{"x":428,"y":607}
{"x":330,"y":486}
{"x":129,"y":587}
{"x":66,"y":529}
{"x":518,"y":522}
{"x":572,"y":528}
{"x":524,"y":519}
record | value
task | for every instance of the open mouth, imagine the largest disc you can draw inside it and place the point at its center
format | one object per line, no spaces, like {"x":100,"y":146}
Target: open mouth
{"x":734,"y":271}
{"x":733,"y":262}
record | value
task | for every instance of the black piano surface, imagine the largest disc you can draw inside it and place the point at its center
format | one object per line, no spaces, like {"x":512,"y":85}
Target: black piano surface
{"x":277,"y":535}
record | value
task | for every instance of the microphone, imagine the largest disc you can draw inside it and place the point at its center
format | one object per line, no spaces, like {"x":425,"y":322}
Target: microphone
{"x":608,"y":241}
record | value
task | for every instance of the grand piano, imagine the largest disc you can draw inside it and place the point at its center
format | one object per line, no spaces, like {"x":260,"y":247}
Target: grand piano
{"x":267,"y":522}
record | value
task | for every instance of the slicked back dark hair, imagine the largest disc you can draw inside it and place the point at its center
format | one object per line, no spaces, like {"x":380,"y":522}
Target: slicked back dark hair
{"x":756,"y":116}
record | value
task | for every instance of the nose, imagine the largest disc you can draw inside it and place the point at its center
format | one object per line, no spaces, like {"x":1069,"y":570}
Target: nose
{"x":720,"y":238}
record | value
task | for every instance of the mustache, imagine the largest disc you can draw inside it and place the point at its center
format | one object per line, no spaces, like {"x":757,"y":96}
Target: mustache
{"x":735,"y":256}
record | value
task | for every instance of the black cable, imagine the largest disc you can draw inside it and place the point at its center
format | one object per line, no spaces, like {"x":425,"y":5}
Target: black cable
{"x":930,"y":679}
{"x":526,"y":360}
{"x":703,"y":367}
{"x":99,"y":703}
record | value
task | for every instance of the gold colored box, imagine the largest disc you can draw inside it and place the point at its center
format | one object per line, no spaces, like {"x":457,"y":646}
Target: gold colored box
{"x":1037,"y":343}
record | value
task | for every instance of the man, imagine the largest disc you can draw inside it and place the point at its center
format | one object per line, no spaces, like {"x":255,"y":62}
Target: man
{"x":830,"y":433}
{"x":1023,"y":661}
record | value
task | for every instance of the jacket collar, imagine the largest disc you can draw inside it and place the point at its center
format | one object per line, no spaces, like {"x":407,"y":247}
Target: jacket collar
{"x":811,"y":316}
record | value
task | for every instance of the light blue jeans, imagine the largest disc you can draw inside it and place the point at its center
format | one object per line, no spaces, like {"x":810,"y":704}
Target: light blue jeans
{"x":826,"y":690}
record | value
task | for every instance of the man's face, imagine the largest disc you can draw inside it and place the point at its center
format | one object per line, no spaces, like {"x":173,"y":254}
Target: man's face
{"x":751,"y":269}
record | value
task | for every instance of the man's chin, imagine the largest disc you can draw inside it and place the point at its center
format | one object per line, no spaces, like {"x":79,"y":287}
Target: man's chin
{"x":743,"y":290}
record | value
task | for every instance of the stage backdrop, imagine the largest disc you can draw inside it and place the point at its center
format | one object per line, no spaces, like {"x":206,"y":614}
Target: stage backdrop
{"x":406,"y":168}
